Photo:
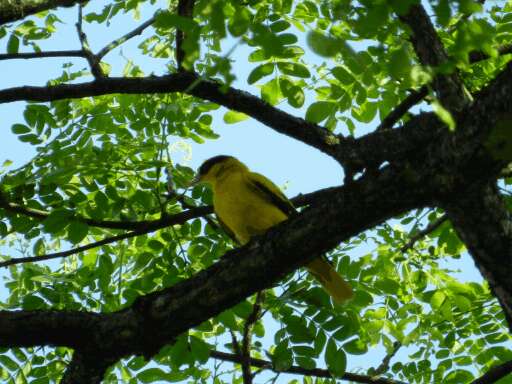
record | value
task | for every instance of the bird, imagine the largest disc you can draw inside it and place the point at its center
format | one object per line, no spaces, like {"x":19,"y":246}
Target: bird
{"x":247,"y":204}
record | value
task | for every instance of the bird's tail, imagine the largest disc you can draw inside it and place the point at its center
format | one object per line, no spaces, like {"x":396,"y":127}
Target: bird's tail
{"x":331,"y":281}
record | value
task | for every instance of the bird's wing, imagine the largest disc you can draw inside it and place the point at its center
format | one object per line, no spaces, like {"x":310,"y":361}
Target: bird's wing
{"x":271,"y":193}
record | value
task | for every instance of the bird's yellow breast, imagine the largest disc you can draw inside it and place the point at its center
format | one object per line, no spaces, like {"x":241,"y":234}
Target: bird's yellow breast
{"x":242,"y":209}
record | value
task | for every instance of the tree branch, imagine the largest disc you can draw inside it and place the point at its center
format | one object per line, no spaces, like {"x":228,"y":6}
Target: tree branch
{"x":12,"y":11}
{"x":401,"y":109}
{"x":73,"y":251}
{"x":39,"y":55}
{"x":179,"y":218}
{"x":482,"y":220}
{"x":295,"y":370}
{"x":117,"y":42}
{"x":245,"y":352}
{"x":384,"y":365}
{"x":185,"y":9}
{"x":494,"y":374}
{"x":476,"y":56}
{"x":92,"y":59}
{"x":190,"y":83}
{"x":86,"y":368}
{"x":430,"y":51}
{"x":166,"y":221}
{"x":431,"y":227}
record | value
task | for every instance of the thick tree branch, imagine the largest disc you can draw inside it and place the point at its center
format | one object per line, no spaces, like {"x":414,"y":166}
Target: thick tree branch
{"x":191,"y":84}
{"x":430,"y":51}
{"x":295,"y":370}
{"x":185,"y":9}
{"x":431,"y":175}
{"x":482,"y":220}
{"x":15,"y":10}
{"x":158,"y":318}
{"x":368,"y":151}
{"x":86,"y":368}
{"x":494,"y":374}
{"x":476,"y":56}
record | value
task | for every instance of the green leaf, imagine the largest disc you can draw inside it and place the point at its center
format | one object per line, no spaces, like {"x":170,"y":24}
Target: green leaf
{"x":324,"y":45}
{"x":9,"y":363}
{"x":293,"y":69}
{"x":282,"y":358}
{"x":305,"y":362}
{"x":199,"y":349}
{"x":77,"y":231}
{"x":239,"y":23}
{"x":270,"y":92}
{"x":13,"y":44}
{"x":356,"y":347}
{"x":232,"y":117}
{"x":437,"y":300}
{"x":319,"y":111}
{"x":444,"y":115}
{"x":399,"y":63}
{"x":343,"y":75}
{"x":260,"y":71}
{"x":388,"y":286}
{"x":32,"y":302}
{"x":19,"y":129}
{"x":151,"y":375}
{"x":335,"y":359}
{"x":56,"y":221}
{"x":169,"y":20}
{"x":458,"y":376}
{"x":279,"y":26}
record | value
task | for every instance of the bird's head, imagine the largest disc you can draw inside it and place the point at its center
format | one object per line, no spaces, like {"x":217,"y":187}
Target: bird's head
{"x":214,"y":168}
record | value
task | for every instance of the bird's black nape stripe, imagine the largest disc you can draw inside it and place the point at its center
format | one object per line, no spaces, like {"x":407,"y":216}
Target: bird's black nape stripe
{"x":208,"y":164}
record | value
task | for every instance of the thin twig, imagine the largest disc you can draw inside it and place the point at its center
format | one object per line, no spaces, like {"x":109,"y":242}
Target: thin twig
{"x":179,"y":218}
{"x":117,"y":42}
{"x":401,"y":109}
{"x":428,"y":229}
{"x":315,"y":372}
{"x":384,"y":365}
{"x":247,"y":337}
{"x":38,"y":55}
{"x":93,"y":61}
{"x":74,"y":251}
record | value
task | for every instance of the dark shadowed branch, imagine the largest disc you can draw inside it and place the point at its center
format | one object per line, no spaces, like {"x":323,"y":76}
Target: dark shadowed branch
{"x":41,"y":55}
{"x":430,"y":51}
{"x":91,"y":58}
{"x":12,"y":11}
{"x":295,"y":370}
{"x":431,"y":227}
{"x":494,"y":374}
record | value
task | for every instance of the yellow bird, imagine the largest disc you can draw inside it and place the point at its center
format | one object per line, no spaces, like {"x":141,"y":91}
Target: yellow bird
{"x":248,"y":204}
